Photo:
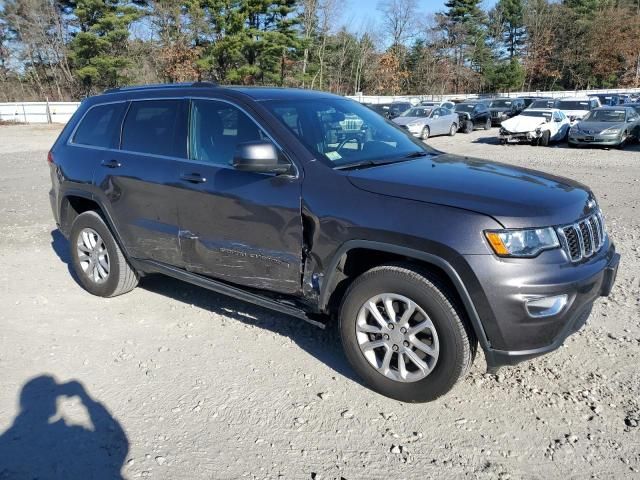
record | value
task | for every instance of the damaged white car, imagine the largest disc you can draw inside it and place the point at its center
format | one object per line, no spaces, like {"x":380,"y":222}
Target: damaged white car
{"x":539,"y":126}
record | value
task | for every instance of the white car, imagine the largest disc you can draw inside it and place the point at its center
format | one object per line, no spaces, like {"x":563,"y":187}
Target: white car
{"x":577,"y":107}
{"x":434,"y":104}
{"x":539,"y":126}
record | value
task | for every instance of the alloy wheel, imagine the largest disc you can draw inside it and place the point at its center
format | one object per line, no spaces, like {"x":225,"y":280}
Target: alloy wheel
{"x":397,"y":337}
{"x":92,"y":255}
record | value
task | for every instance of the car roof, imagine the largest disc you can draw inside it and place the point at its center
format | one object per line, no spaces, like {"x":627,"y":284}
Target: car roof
{"x":256,"y":93}
{"x":579,"y":99}
{"x":613,"y":107}
{"x":543,"y":110}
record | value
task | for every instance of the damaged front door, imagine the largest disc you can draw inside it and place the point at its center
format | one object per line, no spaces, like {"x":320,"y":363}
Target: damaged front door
{"x":241,"y":227}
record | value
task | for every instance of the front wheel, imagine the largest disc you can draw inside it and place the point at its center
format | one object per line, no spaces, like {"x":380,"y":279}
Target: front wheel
{"x":97,"y":260}
{"x":404,"y":334}
{"x":544,"y":140}
{"x":425,"y":134}
{"x":487,"y":124}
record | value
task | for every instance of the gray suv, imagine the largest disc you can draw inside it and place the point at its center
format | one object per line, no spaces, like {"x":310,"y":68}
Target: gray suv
{"x":317,"y":207}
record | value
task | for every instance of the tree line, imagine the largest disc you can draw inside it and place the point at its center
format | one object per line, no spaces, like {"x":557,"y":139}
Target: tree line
{"x":67,"y":49}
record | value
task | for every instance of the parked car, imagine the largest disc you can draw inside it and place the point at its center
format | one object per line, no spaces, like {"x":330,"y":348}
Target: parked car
{"x":577,"y":107}
{"x":390,"y":110}
{"x":473,"y":115}
{"x":607,"y":126}
{"x":504,"y":108}
{"x":543,"y":103}
{"x":529,"y":100}
{"x":536,"y":126}
{"x":446,"y":104}
{"x":419,"y":255}
{"x":423,"y":122}
{"x":611,"y":99}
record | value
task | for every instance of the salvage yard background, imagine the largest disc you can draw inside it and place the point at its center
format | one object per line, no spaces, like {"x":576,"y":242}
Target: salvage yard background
{"x":200,"y":385}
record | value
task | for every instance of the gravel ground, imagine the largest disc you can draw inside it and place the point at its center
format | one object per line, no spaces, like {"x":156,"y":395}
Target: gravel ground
{"x":172,"y":381}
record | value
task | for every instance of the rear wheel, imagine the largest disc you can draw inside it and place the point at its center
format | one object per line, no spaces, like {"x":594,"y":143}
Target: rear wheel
{"x":453,"y":129}
{"x":404,"y":335}
{"x":97,"y":260}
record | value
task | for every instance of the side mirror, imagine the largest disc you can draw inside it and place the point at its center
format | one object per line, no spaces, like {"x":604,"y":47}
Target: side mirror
{"x":259,"y":156}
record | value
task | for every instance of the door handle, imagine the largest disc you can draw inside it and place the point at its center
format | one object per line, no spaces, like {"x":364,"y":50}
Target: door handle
{"x":111,"y":163}
{"x":193,"y":178}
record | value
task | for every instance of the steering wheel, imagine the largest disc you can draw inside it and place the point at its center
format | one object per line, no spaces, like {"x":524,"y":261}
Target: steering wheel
{"x":347,"y":140}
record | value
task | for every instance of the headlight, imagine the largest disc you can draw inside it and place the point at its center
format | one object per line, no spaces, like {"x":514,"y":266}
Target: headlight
{"x":522,"y":243}
{"x":503,"y":131}
{"x":611,"y":131}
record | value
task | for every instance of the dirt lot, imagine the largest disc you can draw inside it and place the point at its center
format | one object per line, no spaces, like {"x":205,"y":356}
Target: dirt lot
{"x":197,"y":385}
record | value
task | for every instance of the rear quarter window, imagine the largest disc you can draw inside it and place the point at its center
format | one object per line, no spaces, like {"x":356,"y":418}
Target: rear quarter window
{"x":100,"y":126}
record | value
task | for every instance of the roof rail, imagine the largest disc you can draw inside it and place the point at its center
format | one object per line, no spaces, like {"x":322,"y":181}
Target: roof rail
{"x":132,"y":88}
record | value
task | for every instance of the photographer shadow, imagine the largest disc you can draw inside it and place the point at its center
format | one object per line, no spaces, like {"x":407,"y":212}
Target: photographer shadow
{"x":42,"y":445}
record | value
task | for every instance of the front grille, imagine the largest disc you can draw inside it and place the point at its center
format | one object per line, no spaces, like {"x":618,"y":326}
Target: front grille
{"x":584,"y":238}
{"x":495,"y":114}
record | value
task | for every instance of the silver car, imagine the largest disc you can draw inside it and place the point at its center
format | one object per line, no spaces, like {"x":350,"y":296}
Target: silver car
{"x":423,"y":122}
{"x":606,"y":126}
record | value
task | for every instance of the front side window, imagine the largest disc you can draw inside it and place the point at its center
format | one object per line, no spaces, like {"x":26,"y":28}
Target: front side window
{"x":156,"y":127}
{"x":216,"y":129}
{"x":343,"y":132}
{"x":100,"y":127}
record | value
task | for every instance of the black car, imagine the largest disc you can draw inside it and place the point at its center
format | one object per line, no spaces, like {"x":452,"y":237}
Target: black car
{"x":390,"y":110}
{"x":251,"y":192}
{"x":529,"y":100}
{"x":473,"y":115}
{"x":543,"y":103}
{"x":505,"y":108}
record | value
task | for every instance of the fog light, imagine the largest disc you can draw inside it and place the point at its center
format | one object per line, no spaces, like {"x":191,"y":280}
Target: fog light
{"x":545,"y":306}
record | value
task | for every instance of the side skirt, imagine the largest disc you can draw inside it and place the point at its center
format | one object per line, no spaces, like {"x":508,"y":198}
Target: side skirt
{"x":150,"y":266}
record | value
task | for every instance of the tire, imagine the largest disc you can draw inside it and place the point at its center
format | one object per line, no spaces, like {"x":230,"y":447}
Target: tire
{"x":453,"y":129}
{"x":544,"y":140}
{"x":570,"y":144}
{"x":623,"y":141}
{"x":120,"y":277}
{"x":424,"y":135}
{"x":467,"y":127}
{"x":487,"y":124}
{"x":453,"y":340}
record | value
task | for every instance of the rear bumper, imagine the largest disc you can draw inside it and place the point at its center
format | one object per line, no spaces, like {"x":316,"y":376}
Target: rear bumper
{"x":514,"y":335}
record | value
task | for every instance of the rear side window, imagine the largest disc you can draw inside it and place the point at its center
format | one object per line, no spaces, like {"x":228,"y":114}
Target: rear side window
{"x":157,"y":127}
{"x":100,"y":127}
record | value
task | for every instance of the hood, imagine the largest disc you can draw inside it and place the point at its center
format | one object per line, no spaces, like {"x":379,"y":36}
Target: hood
{"x":516,"y":197}
{"x":408,"y":120}
{"x":597,"y":127}
{"x":500,"y":109}
{"x":523,"y":124}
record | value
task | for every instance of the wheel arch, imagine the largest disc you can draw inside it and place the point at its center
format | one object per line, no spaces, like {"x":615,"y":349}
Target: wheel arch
{"x":75,"y":202}
{"x":338,"y":276}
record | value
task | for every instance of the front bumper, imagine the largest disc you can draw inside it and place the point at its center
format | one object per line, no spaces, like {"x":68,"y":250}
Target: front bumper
{"x":513,"y":334}
{"x":508,"y":137}
{"x":586,"y":139}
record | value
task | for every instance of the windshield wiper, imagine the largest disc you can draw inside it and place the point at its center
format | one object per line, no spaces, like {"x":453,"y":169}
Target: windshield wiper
{"x":371,"y":163}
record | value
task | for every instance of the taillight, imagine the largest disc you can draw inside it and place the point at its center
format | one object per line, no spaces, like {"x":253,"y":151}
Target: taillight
{"x":50,"y":157}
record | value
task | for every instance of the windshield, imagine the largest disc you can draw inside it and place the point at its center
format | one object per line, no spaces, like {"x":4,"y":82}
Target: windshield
{"x":543,"y":104}
{"x":417,"y":112}
{"x":613,"y":116}
{"x":465,"y":107}
{"x":344,"y":132}
{"x":500,"y":103}
{"x":545,"y":115}
{"x":573,"y":105}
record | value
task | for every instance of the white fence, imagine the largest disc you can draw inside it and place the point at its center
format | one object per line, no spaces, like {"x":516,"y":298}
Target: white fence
{"x":37,"y":112}
{"x":554,"y":94}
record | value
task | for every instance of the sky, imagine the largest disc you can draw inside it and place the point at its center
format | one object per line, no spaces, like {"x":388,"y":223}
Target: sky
{"x":359,"y":13}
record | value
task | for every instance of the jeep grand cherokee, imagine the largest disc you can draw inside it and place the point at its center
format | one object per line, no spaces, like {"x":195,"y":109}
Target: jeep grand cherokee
{"x":316,"y":206}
